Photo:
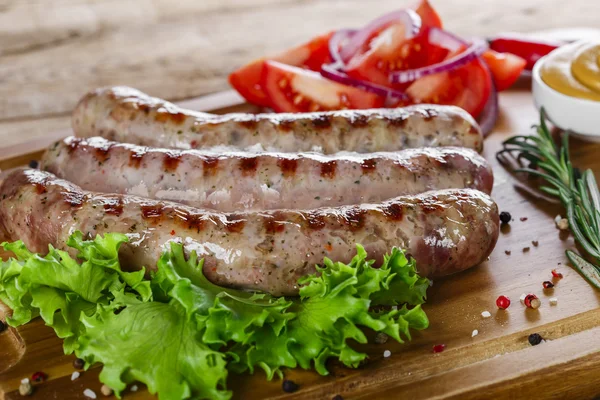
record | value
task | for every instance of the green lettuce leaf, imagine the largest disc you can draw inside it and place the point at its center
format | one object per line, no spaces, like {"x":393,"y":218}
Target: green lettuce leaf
{"x":180,"y":334}
{"x":157,"y":344}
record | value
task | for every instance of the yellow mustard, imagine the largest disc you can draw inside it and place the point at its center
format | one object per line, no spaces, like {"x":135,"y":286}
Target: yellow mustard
{"x":574,"y":70}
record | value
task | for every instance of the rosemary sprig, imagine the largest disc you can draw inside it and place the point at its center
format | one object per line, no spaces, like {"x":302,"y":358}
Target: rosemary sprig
{"x":578,"y":193}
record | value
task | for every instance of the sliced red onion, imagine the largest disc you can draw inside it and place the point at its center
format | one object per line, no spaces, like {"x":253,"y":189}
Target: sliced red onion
{"x":489,"y":115}
{"x":332,"y":71}
{"x":337,"y":41}
{"x":446,"y":40}
{"x":410,"y":19}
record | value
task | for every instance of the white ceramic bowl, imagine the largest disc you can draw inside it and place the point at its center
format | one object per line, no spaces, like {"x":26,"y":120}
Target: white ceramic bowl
{"x":580,"y":116}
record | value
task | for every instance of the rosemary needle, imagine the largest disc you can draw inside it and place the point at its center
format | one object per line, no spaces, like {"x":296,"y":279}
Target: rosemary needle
{"x":578,"y":193}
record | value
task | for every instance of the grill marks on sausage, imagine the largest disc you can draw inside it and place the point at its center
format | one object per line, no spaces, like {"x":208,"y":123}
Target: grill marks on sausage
{"x":353,"y":218}
{"x":322,"y":121}
{"x":101,"y":152}
{"x":235,"y":223}
{"x":315,"y":220}
{"x":135,"y":158}
{"x":273,"y":223}
{"x":74,"y":199}
{"x":171,"y":161}
{"x":328,"y":169}
{"x":359,"y":121}
{"x":209,"y":166}
{"x":250,"y":124}
{"x":163,"y":116}
{"x":248,"y":165}
{"x":368,"y":165}
{"x":288,"y":166}
{"x":393,"y":211}
{"x":113,"y":206}
{"x":74,"y":144}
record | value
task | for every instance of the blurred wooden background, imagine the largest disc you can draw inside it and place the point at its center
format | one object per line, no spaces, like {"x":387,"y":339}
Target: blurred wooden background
{"x":53,"y":51}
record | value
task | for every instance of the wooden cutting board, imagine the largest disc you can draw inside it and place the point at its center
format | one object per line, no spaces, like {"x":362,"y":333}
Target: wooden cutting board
{"x":497,"y":363}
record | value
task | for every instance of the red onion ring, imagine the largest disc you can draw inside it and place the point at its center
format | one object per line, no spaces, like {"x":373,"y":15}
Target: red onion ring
{"x":409,"y":18}
{"x":449,"y":41}
{"x":489,"y":115}
{"x":337,"y":41}
{"x":333,"y":72}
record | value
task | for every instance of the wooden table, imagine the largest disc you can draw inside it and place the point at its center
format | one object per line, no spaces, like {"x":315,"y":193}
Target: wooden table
{"x":52,"y":53}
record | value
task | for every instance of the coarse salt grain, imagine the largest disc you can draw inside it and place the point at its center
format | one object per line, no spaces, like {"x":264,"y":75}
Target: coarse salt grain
{"x":522,"y":298}
{"x":475,"y":333}
{"x":75,"y":375}
{"x":89,"y":393}
{"x":561,"y":223}
{"x":25,"y":380}
{"x":486,"y":314}
{"x":387,"y":353}
{"x":134,"y":388}
{"x":553,"y":301}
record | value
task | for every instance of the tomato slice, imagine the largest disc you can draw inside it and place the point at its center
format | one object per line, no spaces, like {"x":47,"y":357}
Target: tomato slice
{"x":293,"y":89}
{"x":505,"y":68}
{"x":390,"y":52}
{"x":467,"y":87}
{"x":247,"y":79}
{"x":429,"y":17}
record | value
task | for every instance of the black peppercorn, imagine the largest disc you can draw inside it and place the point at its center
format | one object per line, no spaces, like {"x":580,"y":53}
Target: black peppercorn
{"x":2,"y":326}
{"x":78,"y":363}
{"x":505,"y":217}
{"x":33,"y":164}
{"x":289,"y":386}
{"x":535,"y":339}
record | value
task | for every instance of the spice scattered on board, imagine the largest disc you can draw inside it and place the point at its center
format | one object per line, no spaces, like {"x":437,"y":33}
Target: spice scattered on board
{"x":75,"y":375}
{"x":535,"y":243}
{"x":553,"y":301}
{"x":289,"y":386}
{"x":505,"y":217}
{"x":78,"y":363}
{"x":556,"y":274}
{"x":507,"y":252}
{"x":532,"y":301}
{"x":39,"y":377}
{"x":474,"y":333}
{"x":561,"y":223}
{"x":438,"y":348}
{"x":106,"y":390}
{"x":526,"y":249}
{"x":535,"y":339}
{"x":90,"y":393}
{"x":523,"y":219}
{"x":548,"y":285}
{"x":503,"y":302}
{"x":486,"y":314}
{"x":25,"y":388}
{"x":387,"y":353}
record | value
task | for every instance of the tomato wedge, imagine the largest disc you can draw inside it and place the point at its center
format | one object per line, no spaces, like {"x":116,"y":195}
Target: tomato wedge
{"x":392,"y":52}
{"x":505,"y":68}
{"x":389,"y":50}
{"x":293,"y":89}
{"x":310,"y":55}
{"x":429,"y":17}
{"x":467,"y":87}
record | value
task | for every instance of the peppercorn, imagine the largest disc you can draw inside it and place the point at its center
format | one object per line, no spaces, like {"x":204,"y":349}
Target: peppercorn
{"x":556,"y":274}
{"x":505,"y":217}
{"x":39,"y":377}
{"x":535,"y":339}
{"x":78,"y":363}
{"x":532,"y":301}
{"x":289,"y":386}
{"x":33,"y":164}
{"x":502,"y":302}
{"x":2,"y":326}
{"x":548,"y":285}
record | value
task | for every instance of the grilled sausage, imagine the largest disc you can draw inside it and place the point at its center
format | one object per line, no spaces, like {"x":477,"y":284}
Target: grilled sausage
{"x":243,"y":181}
{"x":127,"y":115}
{"x":446,"y":231}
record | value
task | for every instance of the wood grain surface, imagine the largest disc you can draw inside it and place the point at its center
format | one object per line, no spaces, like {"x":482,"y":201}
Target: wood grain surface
{"x":498,"y":363}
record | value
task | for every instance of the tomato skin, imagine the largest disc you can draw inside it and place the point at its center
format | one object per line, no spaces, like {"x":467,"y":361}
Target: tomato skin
{"x":293,"y":89}
{"x":429,"y":17}
{"x":376,"y":64}
{"x":468,"y":87}
{"x":528,"y":49}
{"x":505,"y":68}
{"x":311,"y":55}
